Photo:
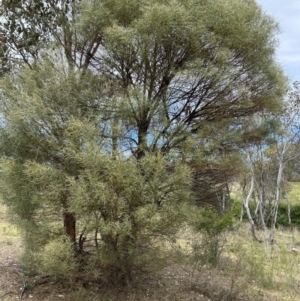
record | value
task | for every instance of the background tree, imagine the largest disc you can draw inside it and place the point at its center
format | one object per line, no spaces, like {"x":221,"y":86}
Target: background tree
{"x":285,"y":150}
{"x":257,"y":171}
{"x":267,"y":162}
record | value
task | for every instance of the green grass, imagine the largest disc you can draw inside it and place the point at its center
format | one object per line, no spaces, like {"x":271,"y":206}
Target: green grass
{"x":294,"y":193}
{"x":8,"y":231}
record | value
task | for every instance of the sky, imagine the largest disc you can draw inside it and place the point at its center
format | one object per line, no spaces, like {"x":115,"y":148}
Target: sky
{"x":287,"y":14}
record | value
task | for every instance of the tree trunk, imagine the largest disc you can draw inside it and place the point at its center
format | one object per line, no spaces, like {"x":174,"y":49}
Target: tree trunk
{"x":246,"y":205}
{"x":262,"y":220}
{"x":70,"y":226}
{"x":277,"y":200}
{"x":142,"y":142}
{"x":242,"y":213}
{"x":289,"y":214}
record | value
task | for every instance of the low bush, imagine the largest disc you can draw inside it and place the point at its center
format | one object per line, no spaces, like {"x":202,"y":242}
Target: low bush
{"x":282,"y":215}
{"x":213,"y":228}
{"x":58,"y":260}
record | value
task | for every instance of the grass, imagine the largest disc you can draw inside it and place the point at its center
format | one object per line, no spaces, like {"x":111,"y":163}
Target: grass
{"x":294,"y":193}
{"x":272,"y":270}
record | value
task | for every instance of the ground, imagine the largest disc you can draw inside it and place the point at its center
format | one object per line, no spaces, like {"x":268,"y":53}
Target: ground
{"x":171,"y":284}
{"x":246,"y":271}
{"x":175,"y":282}
{"x":11,"y":278}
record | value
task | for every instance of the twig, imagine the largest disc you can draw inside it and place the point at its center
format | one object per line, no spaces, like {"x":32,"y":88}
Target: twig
{"x":24,"y":283}
{"x":22,"y":278}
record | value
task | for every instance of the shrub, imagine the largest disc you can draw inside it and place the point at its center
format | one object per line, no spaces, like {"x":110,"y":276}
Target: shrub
{"x":282,"y":215}
{"x":213,"y":228}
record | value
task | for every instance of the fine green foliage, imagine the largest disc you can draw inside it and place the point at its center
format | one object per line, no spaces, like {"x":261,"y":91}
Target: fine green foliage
{"x":128,"y":205}
{"x":120,"y":203}
{"x":57,"y":260}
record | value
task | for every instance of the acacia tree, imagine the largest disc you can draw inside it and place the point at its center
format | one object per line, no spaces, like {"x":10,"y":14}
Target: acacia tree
{"x":57,"y":161}
{"x":141,"y":85}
